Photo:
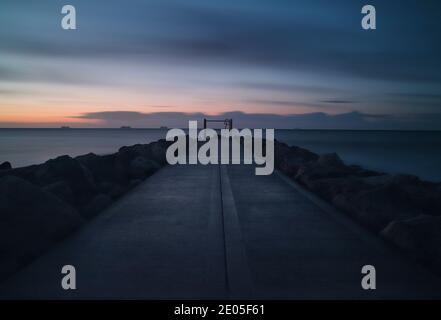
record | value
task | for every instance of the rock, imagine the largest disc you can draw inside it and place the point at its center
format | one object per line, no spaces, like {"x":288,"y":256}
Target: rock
{"x":343,"y":187}
{"x":363,"y":173}
{"x":26,"y":173}
{"x":329,"y":166}
{"x":417,"y":193}
{"x":106,"y":186}
{"x":117,"y":191}
{"x":5,"y":166}
{"x":126,"y":164}
{"x":94,"y":163}
{"x":112,"y":189}
{"x":62,"y":190}
{"x":135,"y":151}
{"x":424,"y":195}
{"x":99,"y":203}
{"x":290,"y":159}
{"x":32,"y":220}
{"x":71,"y":171}
{"x":331,"y":159}
{"x":391,"y":179}
{"x":377,"y":207}
{"x":35,"y":201}
{"x":134,"y":183}
{"x":310,"y":172}
{"x":280,"y":150}
{"x":141,"y":167}
{"x":121,"y":167}
{"x":420,"y":237}
{"x":158,"y":151}
{"x":106,"y":168}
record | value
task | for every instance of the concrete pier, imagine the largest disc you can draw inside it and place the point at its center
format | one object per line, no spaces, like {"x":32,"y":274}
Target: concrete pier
{"x":206,"y":232}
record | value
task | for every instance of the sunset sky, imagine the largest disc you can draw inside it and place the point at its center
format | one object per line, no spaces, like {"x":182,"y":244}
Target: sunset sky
{"x":147,"y":63}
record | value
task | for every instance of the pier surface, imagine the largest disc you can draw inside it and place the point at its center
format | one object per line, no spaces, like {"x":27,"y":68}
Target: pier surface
{"x":207,"y":232}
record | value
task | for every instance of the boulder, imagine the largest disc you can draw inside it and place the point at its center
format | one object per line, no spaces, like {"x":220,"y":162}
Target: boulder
{"x":310,"y":172}
{"x":290,"y":159}
{"x":62,"y":190}
{"x":26,"y":173}
{"x":280,"y":150}
{"x":377,"y":207}
{"x":424,"y":195}
{"x":95,"y":163}
{"x":134,"y":183}
{"x":141,"y":167}
{"x":106,"y":168}
{"x":5,"y":166}
{"x":64,"y":168}
{"x":420,"y":237}
{"x":418,"y":194}
{"x":106,"y":186}
{"x":98,"y":204}
{"x":137,"y":150}
{"x":329,"y":166}
{"x":343,"y":187}
{"x":391,"y":179}
{"x":363,"y":173}
{"x":158,"y":151}
{"x":127,"y":163}
{"x":32,"y":220}
{"x":117,"y":190}
{"x":330,"y":159}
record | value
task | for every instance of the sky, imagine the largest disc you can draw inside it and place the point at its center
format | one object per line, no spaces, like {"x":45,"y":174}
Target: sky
{"x":267,"y":63}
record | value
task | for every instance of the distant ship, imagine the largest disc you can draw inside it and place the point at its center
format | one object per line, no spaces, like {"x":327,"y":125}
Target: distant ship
{"x":126,"y":127}
{"x":65,"y":127}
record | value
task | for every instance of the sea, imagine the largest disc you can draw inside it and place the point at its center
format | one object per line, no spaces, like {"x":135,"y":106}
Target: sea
{"x":408,"y":152}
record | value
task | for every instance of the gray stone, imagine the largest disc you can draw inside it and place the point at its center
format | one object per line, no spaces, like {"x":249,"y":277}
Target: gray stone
{"x":141,"y":167}
{"x":330,"y":159}
{"x":5,"y":166}
{"x":98,"y":204}
{"x":71,"y":171}
{"x":62,"y":190}
{"x":419,"y":237}
{"x":32,"y":221}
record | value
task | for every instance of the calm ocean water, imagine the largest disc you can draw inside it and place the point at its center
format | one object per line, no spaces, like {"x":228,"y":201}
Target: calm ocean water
{"x":417,"y":153}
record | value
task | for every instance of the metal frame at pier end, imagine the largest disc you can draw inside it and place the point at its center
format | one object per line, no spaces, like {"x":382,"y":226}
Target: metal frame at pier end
{"x":227,"y":122}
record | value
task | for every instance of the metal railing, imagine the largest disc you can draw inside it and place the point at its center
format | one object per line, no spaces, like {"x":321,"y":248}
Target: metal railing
{"x":228,"y":123}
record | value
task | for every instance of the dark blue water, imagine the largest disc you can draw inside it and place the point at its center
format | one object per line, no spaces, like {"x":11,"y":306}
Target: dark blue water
{"x":417,"y":153}
{"x":31,"y":146}
{"x":411,"y":152}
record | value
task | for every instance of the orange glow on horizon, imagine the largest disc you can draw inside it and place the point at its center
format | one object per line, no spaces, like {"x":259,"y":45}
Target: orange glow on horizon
{"x":59,"y":111}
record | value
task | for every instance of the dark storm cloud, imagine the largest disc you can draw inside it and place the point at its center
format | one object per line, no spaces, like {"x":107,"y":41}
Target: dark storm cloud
{"x":323,"y":104}
{"x":286,"y":103}
{"x":423,"y":96}
{"x":337,"y":101}
{"x":326,"y":38}
{"x":318,"y":40}
{"x":285,"y":87}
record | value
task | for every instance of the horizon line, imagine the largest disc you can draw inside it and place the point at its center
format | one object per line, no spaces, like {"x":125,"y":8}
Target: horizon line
{"x":168,"y":128}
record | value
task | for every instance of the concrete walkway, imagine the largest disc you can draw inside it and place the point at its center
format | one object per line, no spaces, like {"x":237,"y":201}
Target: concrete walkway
{"x":220,"y":232}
